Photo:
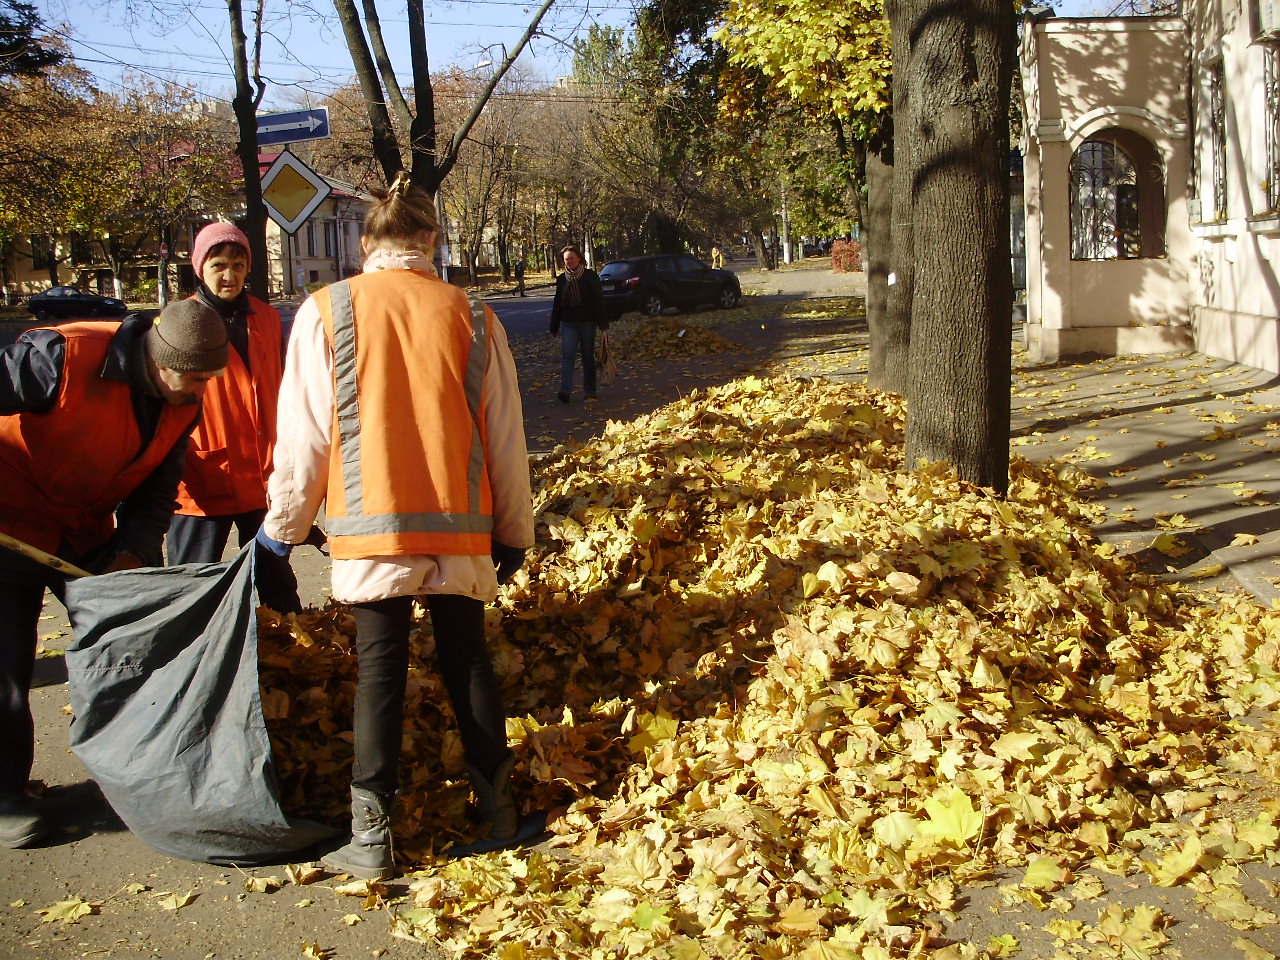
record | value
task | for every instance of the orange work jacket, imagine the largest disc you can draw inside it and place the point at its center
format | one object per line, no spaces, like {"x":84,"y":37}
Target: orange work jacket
{"x":65,"y":471}
{"x":408,"y":473}
{"x":229,"y":457}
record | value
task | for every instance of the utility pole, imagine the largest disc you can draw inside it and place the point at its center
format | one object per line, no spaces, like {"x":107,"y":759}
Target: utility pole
{"x":162,"y":287}
{"x":442,"y":242}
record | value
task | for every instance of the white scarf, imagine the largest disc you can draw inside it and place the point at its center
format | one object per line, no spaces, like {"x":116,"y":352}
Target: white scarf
{"x":384,"y":259}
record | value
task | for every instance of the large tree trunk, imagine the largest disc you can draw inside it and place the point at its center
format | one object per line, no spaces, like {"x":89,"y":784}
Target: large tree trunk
{"x":900,"y":280}
{"x":959,"y":68}
{"x":887,"y":367}
{"x":386,"y":148}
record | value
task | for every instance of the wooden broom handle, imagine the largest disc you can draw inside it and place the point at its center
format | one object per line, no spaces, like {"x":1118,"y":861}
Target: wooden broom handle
{"x":39,"y":556}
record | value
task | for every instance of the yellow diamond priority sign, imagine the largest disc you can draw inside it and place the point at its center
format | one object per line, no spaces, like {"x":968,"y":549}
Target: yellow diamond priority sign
{"x":291,"y":191}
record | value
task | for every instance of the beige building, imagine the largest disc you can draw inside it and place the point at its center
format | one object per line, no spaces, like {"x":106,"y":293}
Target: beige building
{"x":1150,"y":166}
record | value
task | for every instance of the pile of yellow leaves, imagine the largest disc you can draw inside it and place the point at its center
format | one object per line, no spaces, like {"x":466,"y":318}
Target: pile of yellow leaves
{"x":784,"y":698}
{"x":652,"y":338}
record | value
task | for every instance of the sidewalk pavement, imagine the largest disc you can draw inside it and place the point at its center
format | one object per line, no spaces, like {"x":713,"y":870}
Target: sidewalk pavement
{"x":1186,"y":444}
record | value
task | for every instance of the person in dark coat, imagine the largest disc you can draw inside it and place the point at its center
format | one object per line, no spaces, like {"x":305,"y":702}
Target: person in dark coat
{"x":95,"y":418}
{"x":576,"y":313}
{"x":519,"y":269}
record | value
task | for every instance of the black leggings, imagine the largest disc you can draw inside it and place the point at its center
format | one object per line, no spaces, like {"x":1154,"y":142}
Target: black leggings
{"x":382,"y":647}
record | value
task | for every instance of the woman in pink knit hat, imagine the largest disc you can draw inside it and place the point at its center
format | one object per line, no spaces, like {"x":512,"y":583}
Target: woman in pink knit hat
{"x":229,"y":459}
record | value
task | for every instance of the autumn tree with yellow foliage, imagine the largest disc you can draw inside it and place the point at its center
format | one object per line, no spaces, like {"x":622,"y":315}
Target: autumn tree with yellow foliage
{"x":943,"y":341}
{"x":832,"y":61}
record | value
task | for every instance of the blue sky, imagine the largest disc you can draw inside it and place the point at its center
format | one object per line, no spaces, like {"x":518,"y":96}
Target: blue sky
{"x":188,"y":41}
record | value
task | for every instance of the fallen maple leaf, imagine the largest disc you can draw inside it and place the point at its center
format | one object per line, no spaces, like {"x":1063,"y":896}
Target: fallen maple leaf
{"x":68,"y":911}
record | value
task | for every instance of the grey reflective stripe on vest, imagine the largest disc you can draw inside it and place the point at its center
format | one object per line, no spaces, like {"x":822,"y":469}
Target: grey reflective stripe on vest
{"x":347,"y":396}
{"x":477,"y":361}
{"x":408,"y":523}
{"x":355,"y":524}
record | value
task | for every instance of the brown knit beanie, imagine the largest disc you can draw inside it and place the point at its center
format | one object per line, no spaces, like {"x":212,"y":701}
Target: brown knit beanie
{"x":188,"y":337}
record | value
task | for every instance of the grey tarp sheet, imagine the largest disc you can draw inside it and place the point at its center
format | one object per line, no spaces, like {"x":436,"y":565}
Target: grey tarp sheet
{"x":168,"y":716}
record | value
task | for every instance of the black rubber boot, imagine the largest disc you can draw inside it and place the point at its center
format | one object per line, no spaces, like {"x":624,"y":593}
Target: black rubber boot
{"x":20,"y":824}
{"x":369,"y":854}
{"x":494,"y":801}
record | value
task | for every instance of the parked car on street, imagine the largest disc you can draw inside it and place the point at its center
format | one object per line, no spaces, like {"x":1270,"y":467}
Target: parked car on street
{"x":61,"y":303}
{"x":652,"y":284}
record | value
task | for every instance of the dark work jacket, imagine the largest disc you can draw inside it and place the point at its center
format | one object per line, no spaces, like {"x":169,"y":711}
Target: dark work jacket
{"x":129,"y":448}
{"x":590,"y":310}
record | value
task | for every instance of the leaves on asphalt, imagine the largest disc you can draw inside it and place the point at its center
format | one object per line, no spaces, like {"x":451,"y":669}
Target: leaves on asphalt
{"x":263,"y":884}
{"x":175,"y":901}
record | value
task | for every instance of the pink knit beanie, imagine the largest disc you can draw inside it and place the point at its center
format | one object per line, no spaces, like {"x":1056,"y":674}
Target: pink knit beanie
{"x":212,"y":236}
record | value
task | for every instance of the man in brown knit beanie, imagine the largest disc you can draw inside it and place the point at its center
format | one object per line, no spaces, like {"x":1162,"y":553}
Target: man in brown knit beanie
{"x":187,"y":346}
{"x":94,"y":423}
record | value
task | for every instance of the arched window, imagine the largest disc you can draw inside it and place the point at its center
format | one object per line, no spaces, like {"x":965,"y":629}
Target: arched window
{"x":1117,"y":198}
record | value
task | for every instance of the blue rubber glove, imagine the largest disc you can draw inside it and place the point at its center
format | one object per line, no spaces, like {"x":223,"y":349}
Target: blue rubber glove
{"x":508,"y":560}
{"x":275,"y":546}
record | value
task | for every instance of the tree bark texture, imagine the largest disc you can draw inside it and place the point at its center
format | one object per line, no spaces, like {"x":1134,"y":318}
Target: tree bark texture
{"x":958,"y":70}
{"x":386,"y":148}
{"x":888,"y":341}
{"x":900,"y":280}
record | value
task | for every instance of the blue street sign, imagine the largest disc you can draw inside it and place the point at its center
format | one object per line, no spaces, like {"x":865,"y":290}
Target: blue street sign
{"x":292,"y":127}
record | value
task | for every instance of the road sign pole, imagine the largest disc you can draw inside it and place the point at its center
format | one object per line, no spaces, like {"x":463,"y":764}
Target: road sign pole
{"x":162,"y":279}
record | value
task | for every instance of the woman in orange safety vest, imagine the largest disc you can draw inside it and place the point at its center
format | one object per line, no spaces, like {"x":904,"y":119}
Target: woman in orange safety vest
{"x":400,"y":411}
{"x":224,"y":483}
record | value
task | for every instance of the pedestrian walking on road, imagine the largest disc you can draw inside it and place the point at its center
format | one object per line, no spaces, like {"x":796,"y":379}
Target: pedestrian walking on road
{"x":576,"y":314}
{"x":400,"y":410}
{"x":94,"y":423}
{"x":519,"y":269}
{"x":224,"y":483}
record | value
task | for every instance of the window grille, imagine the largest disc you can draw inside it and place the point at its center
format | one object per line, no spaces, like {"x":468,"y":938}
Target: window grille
{"x":1218,"y":139}
{"x":1104,"y":204}
{"x":1271,"y":123}
{"x":42,"y":255}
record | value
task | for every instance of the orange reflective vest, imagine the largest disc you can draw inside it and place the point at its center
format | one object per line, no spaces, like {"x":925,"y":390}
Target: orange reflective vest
{"x":408,"y":473}
{"x":65,"y":471}
{"x":229,"y":457}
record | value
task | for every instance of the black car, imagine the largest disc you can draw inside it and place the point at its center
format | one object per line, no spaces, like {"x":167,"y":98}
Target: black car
{"x":59,"y":303}
{"x":651,"y":284}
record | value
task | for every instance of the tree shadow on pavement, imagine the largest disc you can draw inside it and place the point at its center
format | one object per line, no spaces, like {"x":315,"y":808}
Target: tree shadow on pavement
{"x":76,"y":810}
{"x":800,"y":346}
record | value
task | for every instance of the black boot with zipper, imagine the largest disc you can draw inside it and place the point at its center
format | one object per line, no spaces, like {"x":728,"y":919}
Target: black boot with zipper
{"x":369,"y":855}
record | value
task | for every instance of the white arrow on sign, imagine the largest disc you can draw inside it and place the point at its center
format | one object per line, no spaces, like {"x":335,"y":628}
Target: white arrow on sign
{"x":308,"y":125}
